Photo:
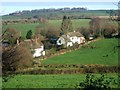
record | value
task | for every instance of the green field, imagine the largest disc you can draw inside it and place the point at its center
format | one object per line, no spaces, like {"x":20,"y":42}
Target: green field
{"x":102,"y":53}
{"x":24,"y":28}
{"x":48,"y":81}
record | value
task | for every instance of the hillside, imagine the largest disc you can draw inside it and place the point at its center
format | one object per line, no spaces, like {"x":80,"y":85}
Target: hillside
{"x":75,"y":13}
{"x":103,"y":53}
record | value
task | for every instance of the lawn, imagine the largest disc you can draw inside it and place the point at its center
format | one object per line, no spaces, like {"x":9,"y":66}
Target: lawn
{"x":48,"y":81}
{"x":103,"y":53}
{"x":24,"y":28}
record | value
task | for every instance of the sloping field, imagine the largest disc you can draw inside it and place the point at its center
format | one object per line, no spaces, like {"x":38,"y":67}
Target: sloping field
{"x":103,"y":52}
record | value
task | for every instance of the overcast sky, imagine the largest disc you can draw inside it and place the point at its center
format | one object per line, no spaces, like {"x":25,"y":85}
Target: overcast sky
{"x":9,"y":6}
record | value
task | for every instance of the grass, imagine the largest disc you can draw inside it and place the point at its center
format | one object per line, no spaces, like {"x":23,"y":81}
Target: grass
{"x":103,"y":53}
{"x":48,"y":81}
{"x":76,"y":23}
{"x":24,"y":28}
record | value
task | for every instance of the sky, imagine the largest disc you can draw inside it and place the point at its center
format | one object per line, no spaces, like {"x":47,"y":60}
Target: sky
{"x":9,"y":6}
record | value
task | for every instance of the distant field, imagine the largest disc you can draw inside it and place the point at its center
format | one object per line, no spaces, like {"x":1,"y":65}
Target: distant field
{"x":76,"y":23}
{"x":24,"y":28}
{"x":103,"y":53}
{"x":48,"y":81}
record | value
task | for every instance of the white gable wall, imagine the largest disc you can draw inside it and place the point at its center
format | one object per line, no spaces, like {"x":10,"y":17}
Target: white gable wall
{"x":61,"y":41}
{"x":73,"y":40}
{"x":78,"y":40}
{"x":69,"y":44}
{"x":82,"y":40}
{"x":39,"y":52}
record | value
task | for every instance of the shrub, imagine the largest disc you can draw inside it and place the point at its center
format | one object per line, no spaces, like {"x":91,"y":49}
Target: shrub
{"x":94,"y":83}
{"x":16,"y":58}
{"x":29,"y":34}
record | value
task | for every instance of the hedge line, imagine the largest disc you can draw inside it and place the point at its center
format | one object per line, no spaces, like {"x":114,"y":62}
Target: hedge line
{"x":102,"y":69}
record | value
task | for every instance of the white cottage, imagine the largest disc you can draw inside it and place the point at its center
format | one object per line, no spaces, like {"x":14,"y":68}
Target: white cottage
{"x":64,"y":40}
{"x":36,"y":48}
{"x":70,"y":39}
{"x":39,"y":51}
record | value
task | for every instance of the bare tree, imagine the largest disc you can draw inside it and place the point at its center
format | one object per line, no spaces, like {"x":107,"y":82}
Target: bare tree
{"x":14,"y":58}
{"x":11,"y":34}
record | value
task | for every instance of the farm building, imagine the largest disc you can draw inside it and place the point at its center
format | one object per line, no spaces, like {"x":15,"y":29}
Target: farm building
{"x":37,"y":49}
{"x":70,"y":39}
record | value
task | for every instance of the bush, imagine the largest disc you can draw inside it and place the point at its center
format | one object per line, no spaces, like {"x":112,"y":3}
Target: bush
{"x":16,"y":58}
{"x":94,"y":83}
{"x":29,"y":34}
{"x":52,"y":50}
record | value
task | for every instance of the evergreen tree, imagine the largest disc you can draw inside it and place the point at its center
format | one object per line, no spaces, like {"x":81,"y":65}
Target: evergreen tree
{"x":70,"y":27}
{"x":66,"y":25}
{"x":29,"y":34}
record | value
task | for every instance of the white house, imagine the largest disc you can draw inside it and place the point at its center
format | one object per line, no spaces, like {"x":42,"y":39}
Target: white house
{"x":70,"y":39}
{"x":64,"y":40}
{"x":39,"y":51}
{"x":91,"y":37}
{"x":36,"y":48}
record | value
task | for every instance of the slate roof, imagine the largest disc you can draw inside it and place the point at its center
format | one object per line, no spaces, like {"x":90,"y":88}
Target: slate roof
{"x":66,"y":38}
{"x":71,"y":34}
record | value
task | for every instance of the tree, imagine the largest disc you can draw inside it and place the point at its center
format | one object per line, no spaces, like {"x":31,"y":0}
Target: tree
{"x":110,"y":29}
{"x":14,"y":58}
{"x":70,"y":27}
{"x":84,"y":31}
{"x":12,"y":35}
{"x":52,"y":32}
{"x":47,"y":30}
{"x":39,"y":37}
{"x":66,"y":25}
{"x":29,"y":34}
{"x":114,"y":16}
{"x":96,"y":27}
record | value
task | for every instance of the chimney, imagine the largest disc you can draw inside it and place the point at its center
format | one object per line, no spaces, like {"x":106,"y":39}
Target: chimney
{"x":18,"y":42}
{"x":36,"y":39}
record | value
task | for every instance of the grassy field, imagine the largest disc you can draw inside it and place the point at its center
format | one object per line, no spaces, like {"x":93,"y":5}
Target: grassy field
{"x":48,"y":81}
{"x":102,"y":53}
{"x":24,"y":28}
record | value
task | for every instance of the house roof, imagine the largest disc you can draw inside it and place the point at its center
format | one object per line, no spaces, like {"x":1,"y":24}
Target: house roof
{"x":71,"y":34}
{"x":66,"y":38}
{"x":32,"y":44}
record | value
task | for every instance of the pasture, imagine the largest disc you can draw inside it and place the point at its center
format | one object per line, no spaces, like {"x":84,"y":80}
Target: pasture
{"x":24,"y":28}
{"x":104,"y":52}
{"x":48,"y":81}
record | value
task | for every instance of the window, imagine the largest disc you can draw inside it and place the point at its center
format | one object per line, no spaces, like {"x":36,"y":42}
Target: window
{"x":59,"y":41}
